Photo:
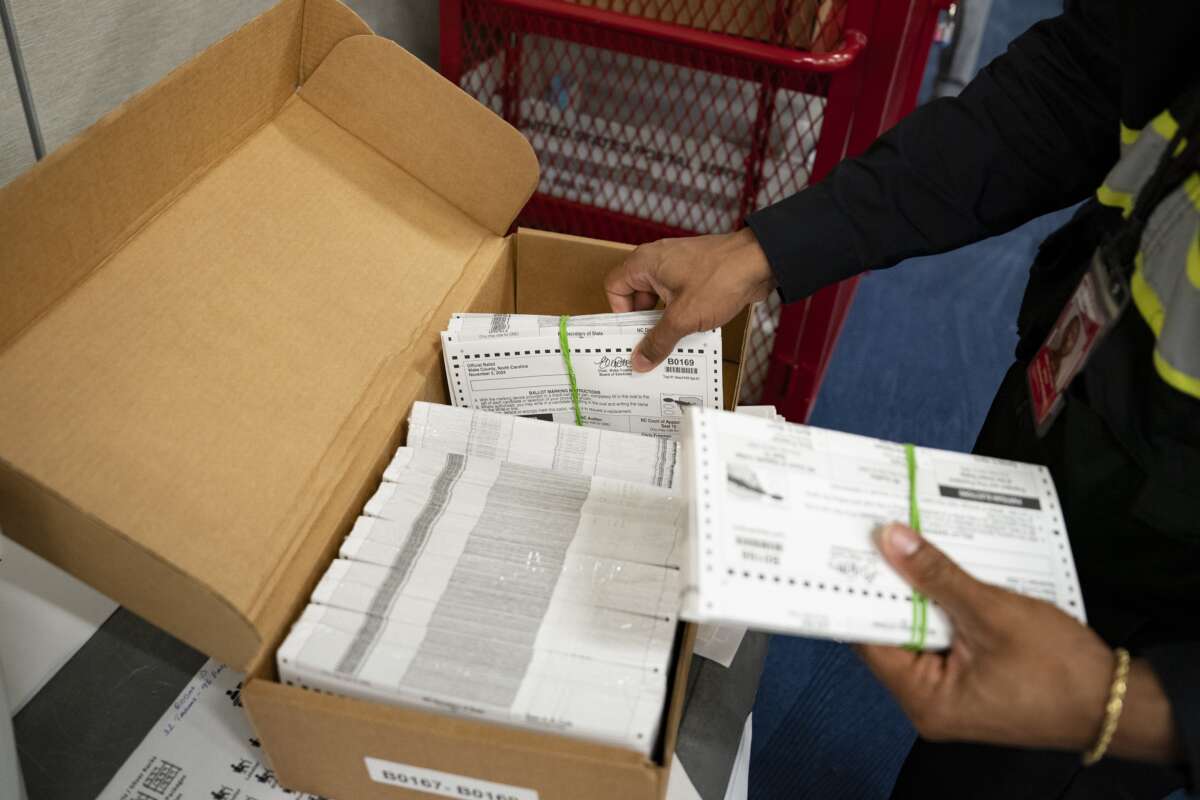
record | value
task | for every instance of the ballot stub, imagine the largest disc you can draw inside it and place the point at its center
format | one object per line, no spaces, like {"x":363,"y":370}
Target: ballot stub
{"x":537,"y":443}
{"x":468,"y":326}
{"x":528,"y":377}
{"x":783,"y":519}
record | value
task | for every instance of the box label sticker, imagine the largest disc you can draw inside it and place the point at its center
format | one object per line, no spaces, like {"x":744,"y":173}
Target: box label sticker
{"x":442,"y":784}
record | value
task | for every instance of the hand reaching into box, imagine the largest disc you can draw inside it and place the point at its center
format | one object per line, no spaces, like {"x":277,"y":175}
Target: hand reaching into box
{"x":703,"y":280}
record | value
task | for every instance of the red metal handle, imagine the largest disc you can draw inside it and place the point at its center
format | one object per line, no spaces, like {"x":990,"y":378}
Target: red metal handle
{"x":853,"y":41}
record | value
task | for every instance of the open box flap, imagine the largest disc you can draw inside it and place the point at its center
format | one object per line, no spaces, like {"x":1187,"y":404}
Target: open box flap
{"x":223,"y":303}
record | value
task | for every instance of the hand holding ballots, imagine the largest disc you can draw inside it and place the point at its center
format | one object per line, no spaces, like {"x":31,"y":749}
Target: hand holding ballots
{"x":526,"y":555}
{"x":781,"y":520}
{"x":556,"y":368}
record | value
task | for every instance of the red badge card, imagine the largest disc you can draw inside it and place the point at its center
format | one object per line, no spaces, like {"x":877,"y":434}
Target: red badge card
{"x":1087,"y":316}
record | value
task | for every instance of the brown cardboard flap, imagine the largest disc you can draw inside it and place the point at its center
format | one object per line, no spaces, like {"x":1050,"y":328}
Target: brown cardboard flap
{"x":174,"y":427}
{"x":553,"y":266}
{"x":326,"y":22}
{"x":428,"y":126}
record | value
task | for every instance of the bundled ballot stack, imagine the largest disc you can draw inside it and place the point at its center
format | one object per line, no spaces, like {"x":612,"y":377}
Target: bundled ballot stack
{"x":782,"y":519}
{"x":578,"y":370}
{"x":565,"y":448}
{"x":514,"y":570}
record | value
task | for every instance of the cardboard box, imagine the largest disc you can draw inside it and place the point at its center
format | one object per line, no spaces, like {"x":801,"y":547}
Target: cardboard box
{"x":217,"y":306}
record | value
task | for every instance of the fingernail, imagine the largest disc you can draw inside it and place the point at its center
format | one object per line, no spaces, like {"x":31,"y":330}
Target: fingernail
{"x":902,"y":540}
{"x":641,"y":363}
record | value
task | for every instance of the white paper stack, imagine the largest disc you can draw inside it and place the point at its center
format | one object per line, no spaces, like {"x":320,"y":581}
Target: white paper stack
{"x":538,"y":443}
{"x":545,"y":598}
{"x":513,"y":364}
{"x":765,"y":412}
{"x":716,"y":642}
{"x":782,"y":518}
{"x":470,"y":327}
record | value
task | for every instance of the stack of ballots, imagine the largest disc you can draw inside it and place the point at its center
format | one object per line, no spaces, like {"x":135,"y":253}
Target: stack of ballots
{"x":508,"y":569}
{"x":577,"y":370}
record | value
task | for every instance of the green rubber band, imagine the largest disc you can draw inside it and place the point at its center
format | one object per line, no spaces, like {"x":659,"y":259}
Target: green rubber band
{"x":920,"y":603}
{"x":566,"y":354}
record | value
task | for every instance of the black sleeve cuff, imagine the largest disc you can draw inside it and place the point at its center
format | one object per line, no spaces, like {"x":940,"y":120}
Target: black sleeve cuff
{"x":808,"y":242}
{"x":1176,"y":666}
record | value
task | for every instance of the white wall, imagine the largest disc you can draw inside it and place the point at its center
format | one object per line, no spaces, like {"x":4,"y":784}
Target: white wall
{"x":85,"y":58}
{"x":16,"y":149}
{"x":412,"y":23}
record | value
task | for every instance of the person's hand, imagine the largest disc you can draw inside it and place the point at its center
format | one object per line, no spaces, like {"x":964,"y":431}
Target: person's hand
{"x":1019,"y":672}
{"x":703,"y":280}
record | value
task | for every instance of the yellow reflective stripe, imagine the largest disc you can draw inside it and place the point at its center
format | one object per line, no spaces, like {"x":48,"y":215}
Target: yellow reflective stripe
{"x":1129,"y":135}
{"x":1165,"y":125}
{"x":1151,"y":308}
{"x":1144,"y":297}
{"x":1185,"y":383}
{"x":1193,"y":261}
{"x":1111,"y":197}
{"x":1191,"y":188}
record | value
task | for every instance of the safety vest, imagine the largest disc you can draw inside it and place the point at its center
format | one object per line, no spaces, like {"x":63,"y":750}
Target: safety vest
{"x":1165,"y":285}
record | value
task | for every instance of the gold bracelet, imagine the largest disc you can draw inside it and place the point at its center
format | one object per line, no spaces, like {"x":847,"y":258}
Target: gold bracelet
{"x":1112,"y":709}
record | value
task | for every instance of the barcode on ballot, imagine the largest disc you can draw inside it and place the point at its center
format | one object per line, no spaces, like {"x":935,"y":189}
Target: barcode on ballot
{"x":684,"y":370}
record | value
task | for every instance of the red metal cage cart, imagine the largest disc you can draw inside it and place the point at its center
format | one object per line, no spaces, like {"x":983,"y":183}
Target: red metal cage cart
{"x":656,"y":118}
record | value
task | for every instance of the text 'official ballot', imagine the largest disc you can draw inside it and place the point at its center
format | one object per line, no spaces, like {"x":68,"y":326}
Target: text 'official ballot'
{"x":514,"y":364}
{"x":782,"y":517}
{"x":498,"y":572}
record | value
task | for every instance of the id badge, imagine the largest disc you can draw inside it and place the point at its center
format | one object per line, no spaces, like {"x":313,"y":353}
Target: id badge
{"x":1092,"y":311}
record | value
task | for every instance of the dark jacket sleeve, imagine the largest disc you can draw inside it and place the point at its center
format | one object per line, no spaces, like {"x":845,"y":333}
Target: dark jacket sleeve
{"x":1035,"y":131}
{"x":1176,"y":666}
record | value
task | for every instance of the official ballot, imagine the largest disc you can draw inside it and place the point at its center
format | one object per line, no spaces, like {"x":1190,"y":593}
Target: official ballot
{"x":514,"y":364}
{"x":469,"y":327}
{"x":539,"y":596}
{"x":617,"y":519}
{"x":782,"y":517}
{"x":538,"y":443}
{"x":606,"y":702}
{"x":584,"y":629}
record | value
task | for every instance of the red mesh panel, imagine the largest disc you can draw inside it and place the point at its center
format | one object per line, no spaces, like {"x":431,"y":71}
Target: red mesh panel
{"x":687,"y":140}
{"x":656,"y":118}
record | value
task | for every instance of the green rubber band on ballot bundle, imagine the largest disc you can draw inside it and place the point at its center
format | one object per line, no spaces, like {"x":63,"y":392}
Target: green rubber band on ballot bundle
{"x":920,"y":603}
{"x":566,"y":354}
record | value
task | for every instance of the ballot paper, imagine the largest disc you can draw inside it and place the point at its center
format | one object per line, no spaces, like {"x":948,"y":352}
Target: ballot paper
{"x":766,"y":412}
{"x":528,"y":376}
{"x":606,"y":702}
{"x":782,"y":521}
{"x":470,"y":327}
{"x":617,"y":519}
{"x":720,"y":643}
{"x":601,"y":634}
{"x":537,"y":443}
{"x":501,"y":587}
{"x":519,"y":594}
